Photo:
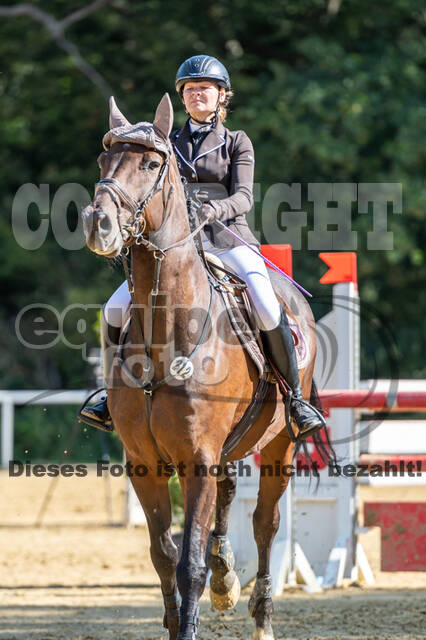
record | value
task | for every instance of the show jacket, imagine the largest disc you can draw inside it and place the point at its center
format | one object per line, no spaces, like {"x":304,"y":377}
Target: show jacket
{"x":224,"y":168}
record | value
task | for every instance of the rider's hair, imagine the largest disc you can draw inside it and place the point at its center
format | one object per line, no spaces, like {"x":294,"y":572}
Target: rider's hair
{"x":223,"y":107}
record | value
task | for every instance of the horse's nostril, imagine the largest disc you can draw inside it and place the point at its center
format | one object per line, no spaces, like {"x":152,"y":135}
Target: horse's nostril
{"x":104,"y":223}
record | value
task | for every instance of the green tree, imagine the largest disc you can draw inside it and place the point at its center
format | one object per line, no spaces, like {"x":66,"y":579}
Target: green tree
{"x":327,"y":94}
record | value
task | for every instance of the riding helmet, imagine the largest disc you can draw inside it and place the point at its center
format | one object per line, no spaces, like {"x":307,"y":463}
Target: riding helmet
{"x":202,"y":68}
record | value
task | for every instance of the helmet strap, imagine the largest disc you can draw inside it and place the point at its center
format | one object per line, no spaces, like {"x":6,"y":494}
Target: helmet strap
{"x":213,"y":121}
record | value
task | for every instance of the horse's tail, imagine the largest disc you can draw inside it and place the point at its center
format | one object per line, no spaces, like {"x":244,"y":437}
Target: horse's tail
{"x":323,"y":447}
{"x":320,"y":439}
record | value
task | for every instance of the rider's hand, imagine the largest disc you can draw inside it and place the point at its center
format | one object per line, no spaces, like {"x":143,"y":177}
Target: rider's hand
{"x":207,"y":212}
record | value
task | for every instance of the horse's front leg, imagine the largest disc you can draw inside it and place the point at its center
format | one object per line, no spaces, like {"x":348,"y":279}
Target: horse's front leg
{"x":153,"y":494}
{"x":199,"y":492}
{"x":266,"y":520}
{"x":224,"y":583}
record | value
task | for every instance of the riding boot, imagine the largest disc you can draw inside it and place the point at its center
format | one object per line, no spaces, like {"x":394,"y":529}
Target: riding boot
{"x":97,"y":415}
{"x":278,"y":344}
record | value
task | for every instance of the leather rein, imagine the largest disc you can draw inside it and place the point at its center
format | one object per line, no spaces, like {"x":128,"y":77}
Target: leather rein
{"x":135,"y":235}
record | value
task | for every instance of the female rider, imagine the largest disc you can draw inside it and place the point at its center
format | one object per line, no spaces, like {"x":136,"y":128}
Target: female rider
{"x":221,"y":162}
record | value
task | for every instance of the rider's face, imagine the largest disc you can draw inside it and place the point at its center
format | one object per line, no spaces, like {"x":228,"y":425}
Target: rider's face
{"x":200,"y":98}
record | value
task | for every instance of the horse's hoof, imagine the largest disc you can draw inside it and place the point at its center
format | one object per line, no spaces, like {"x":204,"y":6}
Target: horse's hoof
{"x":261,"y":634}
{"x":228,"y":600}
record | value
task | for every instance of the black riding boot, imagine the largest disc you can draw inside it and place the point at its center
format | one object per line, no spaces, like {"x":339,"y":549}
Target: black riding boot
{"x":97,"y":415}
{"x":278,"y":344}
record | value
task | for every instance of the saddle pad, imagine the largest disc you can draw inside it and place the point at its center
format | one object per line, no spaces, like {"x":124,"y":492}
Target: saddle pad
{"x":238,"y":316}
{"x":302,"y":353}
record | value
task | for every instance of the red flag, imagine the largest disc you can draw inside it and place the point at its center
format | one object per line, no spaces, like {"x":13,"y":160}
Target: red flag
{"x":342,"y":267}
{"x":279,"y":254}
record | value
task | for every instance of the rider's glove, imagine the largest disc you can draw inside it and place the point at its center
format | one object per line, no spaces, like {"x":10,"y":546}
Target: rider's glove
{"x":207,"y":212}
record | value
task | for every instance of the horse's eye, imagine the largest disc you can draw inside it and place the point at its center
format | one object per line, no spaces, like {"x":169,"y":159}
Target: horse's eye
{"x":154,"y":165}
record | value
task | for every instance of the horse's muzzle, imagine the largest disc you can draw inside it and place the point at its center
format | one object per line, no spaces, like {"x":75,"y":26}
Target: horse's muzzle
{"x":101,"y":236}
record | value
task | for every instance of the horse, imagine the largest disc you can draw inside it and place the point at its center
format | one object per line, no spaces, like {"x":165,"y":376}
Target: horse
{"x":182,"y":421}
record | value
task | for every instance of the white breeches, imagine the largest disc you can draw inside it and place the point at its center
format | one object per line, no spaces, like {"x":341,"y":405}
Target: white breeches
{"x":116,"y":306}
{"x":246,"y":264}
{"x":252,"y":269}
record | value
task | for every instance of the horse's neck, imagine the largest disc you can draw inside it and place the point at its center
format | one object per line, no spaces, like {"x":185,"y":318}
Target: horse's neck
{"x":183,"y":284}
{"x":182,"y":276}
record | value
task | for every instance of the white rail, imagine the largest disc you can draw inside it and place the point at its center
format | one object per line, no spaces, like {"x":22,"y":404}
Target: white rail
{"x":9,"y":399}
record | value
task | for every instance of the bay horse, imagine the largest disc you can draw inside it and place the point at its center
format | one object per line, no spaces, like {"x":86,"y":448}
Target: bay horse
{"x":140,"y":201}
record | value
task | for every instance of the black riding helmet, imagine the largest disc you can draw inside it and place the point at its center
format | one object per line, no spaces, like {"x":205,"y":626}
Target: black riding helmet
{"x":202,"y":68}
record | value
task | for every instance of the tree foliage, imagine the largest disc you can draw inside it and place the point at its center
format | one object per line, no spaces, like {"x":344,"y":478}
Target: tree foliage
{"x":325,"y":97}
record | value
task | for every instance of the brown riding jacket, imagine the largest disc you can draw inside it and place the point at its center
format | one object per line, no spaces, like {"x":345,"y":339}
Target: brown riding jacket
{"x":224,"y":168}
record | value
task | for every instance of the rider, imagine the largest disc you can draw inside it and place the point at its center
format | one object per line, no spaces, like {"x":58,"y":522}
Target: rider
{"x":221,"y":162}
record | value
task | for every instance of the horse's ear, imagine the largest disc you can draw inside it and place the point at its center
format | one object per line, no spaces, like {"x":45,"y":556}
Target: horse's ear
{"x":163,"y":120}
{"x":116,"y":118}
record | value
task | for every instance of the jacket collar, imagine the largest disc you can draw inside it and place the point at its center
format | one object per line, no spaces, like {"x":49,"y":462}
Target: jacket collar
{"x":214,"y":139}
{"x":183,"y":144}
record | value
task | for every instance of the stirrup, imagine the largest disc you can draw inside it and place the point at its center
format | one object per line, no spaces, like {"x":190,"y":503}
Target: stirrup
{"x":312,"y":425}
{"x":86,"y":415}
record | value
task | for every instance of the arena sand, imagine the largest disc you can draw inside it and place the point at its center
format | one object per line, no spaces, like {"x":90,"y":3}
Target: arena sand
{"x":76,"y":577}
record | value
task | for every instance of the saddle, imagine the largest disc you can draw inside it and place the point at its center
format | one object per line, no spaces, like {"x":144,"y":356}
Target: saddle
{"x":237,"y":303}
{"x":243,"y":320}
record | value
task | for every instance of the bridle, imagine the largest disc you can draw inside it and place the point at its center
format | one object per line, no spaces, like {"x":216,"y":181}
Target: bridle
{"x":137,"y":228}
{"x":119,"y":196}
{"x":136,"y":231}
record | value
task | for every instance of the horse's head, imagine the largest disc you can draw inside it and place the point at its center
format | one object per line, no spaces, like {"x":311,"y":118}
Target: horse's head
{"x":133,"y":170}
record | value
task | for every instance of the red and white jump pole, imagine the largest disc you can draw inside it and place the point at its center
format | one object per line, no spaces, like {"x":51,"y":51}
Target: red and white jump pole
{"x":374,"y":400}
